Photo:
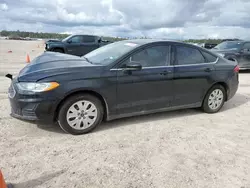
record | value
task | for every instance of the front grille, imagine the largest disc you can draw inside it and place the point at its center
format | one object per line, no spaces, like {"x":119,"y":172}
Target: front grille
{"x":12,"y":91}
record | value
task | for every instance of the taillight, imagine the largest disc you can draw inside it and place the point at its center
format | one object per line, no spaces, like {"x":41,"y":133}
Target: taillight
{"x":236,"y":69}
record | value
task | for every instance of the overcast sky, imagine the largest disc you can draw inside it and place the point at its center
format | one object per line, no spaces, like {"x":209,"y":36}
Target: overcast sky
{"x":177,"y":19}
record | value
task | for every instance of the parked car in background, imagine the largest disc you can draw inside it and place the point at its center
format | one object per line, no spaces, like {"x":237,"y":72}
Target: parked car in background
{"x":208,"y":45}
{"x":125,"y":78}
{"x":78,"y":45}
{"x":238,"y":51}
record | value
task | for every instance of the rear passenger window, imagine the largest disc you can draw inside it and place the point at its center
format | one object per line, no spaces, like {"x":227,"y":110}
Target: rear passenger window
{"x":88,"y":39}
{"x":209,"y":57}
{"x":187,"y":56}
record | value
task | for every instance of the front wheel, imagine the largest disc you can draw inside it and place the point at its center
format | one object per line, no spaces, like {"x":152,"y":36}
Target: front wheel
{"x":80,"y":114}
{"x":214,"y":99}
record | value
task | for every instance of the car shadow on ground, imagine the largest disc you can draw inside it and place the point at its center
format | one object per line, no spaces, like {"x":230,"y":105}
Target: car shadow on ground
{"x":39,"y":181}
{"x":236,"y":101}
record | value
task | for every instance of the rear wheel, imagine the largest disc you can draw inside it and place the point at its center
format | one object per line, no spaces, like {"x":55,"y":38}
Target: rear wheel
{"x":59,"y":50}
{"x":214,"y":99}
{"x":80,"y":114}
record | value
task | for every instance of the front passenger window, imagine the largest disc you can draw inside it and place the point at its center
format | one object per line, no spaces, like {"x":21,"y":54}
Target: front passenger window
{"x":76,"y":39}
{"x":152,"y":56}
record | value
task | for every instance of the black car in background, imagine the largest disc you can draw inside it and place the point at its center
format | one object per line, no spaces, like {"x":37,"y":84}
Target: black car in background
{"x":238,"y":51}
{"x":208,"y":45}
{"x":78,"y":45}
{"x":125,"y":78}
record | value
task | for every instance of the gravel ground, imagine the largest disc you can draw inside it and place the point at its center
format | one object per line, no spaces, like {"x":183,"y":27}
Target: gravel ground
{"x":184,"y":148}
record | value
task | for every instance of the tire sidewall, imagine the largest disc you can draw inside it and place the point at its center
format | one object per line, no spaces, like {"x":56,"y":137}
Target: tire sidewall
{"x":205,"y":105}
{"x":62,"y":120}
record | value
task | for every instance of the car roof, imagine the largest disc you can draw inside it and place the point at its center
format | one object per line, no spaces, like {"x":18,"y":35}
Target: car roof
{"x":148,"y":41}
{"x":236,"y":41}
{"x":84,"y":35}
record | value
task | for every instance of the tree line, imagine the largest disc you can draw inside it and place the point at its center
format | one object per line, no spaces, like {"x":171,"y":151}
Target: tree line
{"x":25,"y":34}
{"x":40,"y":35}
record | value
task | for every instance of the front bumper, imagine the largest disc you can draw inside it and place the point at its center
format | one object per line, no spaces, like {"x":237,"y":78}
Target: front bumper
{"x":31,"y":107}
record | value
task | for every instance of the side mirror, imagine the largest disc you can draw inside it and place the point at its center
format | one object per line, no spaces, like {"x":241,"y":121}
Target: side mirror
{"x":69,"y":41}
{"x":10,"y":76}
{"x":133,"y":66}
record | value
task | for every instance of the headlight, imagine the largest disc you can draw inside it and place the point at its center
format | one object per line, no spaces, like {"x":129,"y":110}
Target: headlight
{"x":222,"y":55}
{"x":37,"y":87}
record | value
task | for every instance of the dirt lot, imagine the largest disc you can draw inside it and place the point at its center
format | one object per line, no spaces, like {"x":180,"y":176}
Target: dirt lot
{"x":175,"y":149}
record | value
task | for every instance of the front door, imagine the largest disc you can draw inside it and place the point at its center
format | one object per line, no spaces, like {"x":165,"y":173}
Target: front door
{"x":73,"y":45}
{"x":193,"y":72}
{"x":149,"y":88}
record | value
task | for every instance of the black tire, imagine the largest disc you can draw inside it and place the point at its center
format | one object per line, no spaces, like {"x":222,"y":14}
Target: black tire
{"x":62,"y":115}
{"x":59,"y":50}
{"x":205,"y":106}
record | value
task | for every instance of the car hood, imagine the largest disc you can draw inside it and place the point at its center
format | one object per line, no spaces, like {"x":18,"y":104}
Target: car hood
{"x":53,"y":64}
{"x":54,"y":41}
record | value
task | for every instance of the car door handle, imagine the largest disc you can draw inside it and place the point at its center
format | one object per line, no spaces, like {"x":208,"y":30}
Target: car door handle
{"x":164,"y":73}
{"x":207,"y":69}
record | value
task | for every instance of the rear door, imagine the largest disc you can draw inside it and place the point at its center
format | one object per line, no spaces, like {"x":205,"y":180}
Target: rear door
{"x":193,"y":73}
{"x":89,"y":44}
{"x":150,"y":88}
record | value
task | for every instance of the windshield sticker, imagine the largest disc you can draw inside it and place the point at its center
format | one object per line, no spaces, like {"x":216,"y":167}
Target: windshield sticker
{"x":130,"y":44}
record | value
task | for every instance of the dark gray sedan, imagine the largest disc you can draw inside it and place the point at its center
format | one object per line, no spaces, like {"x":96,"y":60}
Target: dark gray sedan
{"x":126,"y":78}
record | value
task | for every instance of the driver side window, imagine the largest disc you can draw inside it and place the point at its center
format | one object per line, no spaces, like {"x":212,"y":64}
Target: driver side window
{"x":152,"y":56}
{"x":76,"y":39}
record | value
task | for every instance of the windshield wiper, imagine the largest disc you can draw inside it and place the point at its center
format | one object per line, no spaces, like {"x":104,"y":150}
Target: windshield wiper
{"x":87,"y":60}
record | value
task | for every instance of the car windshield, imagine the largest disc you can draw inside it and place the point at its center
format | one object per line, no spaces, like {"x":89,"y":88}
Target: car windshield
{"x":110,"y":52}
{"x":64,"y":40}
{"x":228,"y":46}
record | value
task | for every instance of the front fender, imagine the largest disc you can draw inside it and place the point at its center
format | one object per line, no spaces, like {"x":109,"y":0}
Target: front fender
{"x":53,"y":46}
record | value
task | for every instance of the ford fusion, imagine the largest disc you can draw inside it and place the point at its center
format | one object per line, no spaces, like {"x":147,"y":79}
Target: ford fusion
{"x":122,"y":79}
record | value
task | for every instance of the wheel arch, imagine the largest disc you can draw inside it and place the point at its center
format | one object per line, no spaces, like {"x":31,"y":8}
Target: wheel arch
{"x":61,"y":48}
{"x":223,"y":84}
{"x":90,"y":92}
